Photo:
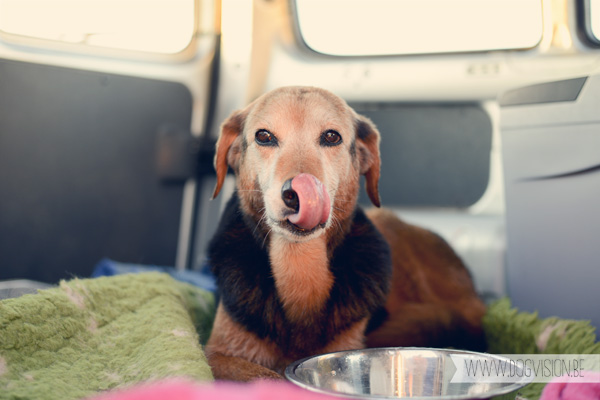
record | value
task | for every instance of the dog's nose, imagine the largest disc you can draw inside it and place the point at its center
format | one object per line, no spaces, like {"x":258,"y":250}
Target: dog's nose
{"x":289,"y":196}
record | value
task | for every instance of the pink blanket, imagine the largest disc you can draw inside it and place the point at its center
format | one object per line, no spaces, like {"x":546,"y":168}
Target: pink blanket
{"x":573,"y":390}
{"x":182,"y":390}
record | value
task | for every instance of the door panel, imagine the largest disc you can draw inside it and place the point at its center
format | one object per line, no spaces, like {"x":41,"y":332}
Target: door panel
{"x":78,"y":178}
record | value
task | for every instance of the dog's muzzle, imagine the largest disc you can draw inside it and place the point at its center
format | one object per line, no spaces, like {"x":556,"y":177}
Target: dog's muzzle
{"x":307,"y":200}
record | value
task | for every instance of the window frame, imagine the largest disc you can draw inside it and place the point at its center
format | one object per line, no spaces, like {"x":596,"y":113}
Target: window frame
{"x":584,"y":24}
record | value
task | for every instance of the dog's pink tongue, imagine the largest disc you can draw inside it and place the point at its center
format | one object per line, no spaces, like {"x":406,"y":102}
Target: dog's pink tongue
{"x":313,"y":200}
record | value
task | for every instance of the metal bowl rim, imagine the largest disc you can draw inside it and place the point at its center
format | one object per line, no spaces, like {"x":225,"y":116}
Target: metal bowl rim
{"x":290,"y":374}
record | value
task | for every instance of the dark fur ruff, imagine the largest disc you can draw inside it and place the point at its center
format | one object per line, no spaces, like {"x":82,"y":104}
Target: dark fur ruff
{"x":361,"y":267}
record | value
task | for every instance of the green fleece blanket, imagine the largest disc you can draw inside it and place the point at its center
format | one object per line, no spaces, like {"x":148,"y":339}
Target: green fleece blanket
{"x":91,"y":335}
{"x":509,"y":331}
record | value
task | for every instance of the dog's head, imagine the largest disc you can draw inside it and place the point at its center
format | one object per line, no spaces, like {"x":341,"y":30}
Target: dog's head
{"x":298,"y":153}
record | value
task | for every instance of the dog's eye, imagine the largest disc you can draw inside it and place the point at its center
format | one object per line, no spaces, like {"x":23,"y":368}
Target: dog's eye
{"x":330,"y":138}
{"x":265,"y":138}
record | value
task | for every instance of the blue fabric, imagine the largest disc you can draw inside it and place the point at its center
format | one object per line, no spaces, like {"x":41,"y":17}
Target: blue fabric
{"x":202,"y":278}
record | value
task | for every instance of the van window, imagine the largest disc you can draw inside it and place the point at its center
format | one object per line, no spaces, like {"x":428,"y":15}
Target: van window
{"x":388,"y":27}
{"x":157,"y":26}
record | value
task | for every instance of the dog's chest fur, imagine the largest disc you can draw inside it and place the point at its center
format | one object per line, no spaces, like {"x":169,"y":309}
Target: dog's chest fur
{"x":302,"y":276}
{"x":294,"y":295}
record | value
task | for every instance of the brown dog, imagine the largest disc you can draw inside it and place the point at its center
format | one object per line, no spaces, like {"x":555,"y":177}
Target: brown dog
{"x":301,"y":269}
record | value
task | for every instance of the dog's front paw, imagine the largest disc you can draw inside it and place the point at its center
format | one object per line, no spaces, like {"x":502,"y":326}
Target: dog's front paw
{"x":231,"y":368}
{"x":266,"y":373}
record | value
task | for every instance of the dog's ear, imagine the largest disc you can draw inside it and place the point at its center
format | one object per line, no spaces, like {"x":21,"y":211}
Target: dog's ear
{"x":367,"y":145}
{"x":228,"y":147}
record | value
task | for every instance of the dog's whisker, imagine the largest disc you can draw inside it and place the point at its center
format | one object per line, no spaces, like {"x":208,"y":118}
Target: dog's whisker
{"x":336,"y":223}
{"x":266,"y":236}
{"x":261,"y":220}
{"x":339,"y":224}
{"x":339,"y":210}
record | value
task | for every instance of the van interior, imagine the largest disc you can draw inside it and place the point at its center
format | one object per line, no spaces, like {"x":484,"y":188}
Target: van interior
{"x":488,"y":111}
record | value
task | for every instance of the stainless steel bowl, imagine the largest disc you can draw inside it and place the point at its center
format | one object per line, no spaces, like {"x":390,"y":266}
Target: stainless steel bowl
{"x":392,"y":373}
